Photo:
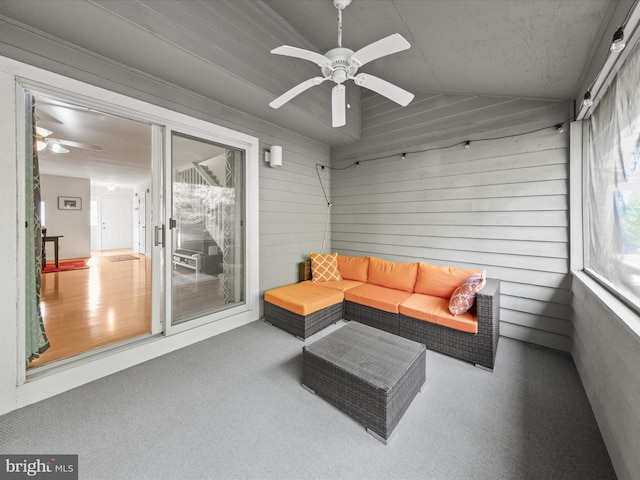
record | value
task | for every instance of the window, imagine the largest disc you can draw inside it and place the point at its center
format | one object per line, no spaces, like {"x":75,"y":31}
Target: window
{"x":612,"y":237}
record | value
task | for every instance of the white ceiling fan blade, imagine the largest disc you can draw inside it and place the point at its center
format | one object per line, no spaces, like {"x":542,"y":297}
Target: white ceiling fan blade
{"x":297,"y":90}
{"x":384,"y":88}
{"x":338,"y":106}
{"x":386,"y":46}
{"x":296,"y":52}
{"x":43,"y":132}
{"x":69,"y":143}
{"x":55,"y":147}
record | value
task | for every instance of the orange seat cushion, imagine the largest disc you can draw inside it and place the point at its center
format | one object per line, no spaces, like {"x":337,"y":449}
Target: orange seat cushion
{"x":382,"y":298}
{"x":303,"y":298}
{"x":353,"y":268}
{"x":436,"y":310}
{"x":401,"y":276}
{"x":340,"y":285}
{"x":440,"y":281}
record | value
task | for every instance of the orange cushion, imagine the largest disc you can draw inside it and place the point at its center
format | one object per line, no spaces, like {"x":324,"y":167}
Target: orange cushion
{"x":353,"y":268}
{"x":324,"y":268}
{"x":401,"y":276}
{"x":340,"y":285}
{"x":436,"y":310}
{"x":303,"y":298}
{"x":382,"y":298}
{"x":440,"y":281}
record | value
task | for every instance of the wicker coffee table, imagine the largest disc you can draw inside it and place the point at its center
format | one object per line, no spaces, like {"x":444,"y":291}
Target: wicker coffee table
{"x":371,"y":375}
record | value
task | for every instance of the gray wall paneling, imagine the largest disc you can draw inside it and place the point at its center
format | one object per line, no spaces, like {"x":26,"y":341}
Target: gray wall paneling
{"x":607,"y":355}
{"x":501,"y":205}
{"x":293,"y":212}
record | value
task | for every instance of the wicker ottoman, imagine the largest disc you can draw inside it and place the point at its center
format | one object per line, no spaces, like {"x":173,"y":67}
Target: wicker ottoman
{"x":302,"y":308}
{"x":369,"y":374}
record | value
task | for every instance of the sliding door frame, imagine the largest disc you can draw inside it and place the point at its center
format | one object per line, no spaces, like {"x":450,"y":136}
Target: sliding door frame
{"x":225,"y":138}
{"x":75,"y":373}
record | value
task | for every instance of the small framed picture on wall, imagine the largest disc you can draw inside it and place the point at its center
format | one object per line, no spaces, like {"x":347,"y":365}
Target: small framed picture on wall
{"x":69,"y":203}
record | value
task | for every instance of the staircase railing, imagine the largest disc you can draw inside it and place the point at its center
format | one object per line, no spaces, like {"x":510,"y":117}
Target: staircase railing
{"x":207,"y":193}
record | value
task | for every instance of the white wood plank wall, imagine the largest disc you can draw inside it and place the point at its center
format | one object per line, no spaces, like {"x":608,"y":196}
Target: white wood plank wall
{"x":501,"y":205}
{"x":607,"y":354}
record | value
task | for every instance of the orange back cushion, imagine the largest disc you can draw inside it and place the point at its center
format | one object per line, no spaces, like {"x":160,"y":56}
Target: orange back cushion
{"x":353,"y":268}
{"x":401,"y":276}
{"x":440,"y":281}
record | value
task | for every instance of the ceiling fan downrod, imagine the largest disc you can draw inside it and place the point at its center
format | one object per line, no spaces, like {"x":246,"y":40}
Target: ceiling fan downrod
{"x":340,"y":5}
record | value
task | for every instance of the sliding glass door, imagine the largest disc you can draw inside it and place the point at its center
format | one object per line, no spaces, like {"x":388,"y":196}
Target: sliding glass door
{"x":170,"y":205}
{"x":205,"y":237}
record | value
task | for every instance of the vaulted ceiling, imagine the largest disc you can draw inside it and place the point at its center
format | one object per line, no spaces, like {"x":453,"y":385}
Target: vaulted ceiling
{"x":221,"y":49}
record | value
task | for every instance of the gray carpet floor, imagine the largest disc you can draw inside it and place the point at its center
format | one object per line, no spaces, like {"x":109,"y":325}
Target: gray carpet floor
{"x":232,"y":407}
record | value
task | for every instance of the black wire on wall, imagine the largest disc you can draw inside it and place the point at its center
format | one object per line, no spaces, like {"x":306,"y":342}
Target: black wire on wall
{"x":465,"y":143}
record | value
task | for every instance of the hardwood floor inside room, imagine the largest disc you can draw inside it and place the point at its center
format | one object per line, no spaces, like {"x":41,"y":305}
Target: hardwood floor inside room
{"x":86,"y":309}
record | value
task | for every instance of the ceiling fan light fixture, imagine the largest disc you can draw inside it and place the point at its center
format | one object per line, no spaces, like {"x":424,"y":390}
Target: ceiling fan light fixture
{"x":618,"y":43}
{"x":40,"y":145}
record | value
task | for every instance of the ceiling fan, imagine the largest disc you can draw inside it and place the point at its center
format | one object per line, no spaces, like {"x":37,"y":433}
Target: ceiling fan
{"x":341,"y":64}
{"x":57,"y":145}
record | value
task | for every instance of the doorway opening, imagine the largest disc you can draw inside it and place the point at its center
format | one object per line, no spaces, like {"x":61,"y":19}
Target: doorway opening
{"x":100,"y":164}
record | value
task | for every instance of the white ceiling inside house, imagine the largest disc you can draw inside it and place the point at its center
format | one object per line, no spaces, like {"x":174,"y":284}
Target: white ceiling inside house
{"x":514,"y":48}
{"x":111,"y":150}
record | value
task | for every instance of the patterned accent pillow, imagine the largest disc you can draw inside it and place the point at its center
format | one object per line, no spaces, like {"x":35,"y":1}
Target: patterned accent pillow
{"x":324,"y":268}
{"x":464,"y":295}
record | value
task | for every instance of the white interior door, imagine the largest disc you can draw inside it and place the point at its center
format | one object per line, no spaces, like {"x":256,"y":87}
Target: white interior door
{"x":142,"y":224}
{"x":116,"y":223}
{"x":148,"y":234}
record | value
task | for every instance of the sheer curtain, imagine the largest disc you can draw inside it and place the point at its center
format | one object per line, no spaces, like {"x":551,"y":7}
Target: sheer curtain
{"x":36,"y":341}
{"x":613,"y":183}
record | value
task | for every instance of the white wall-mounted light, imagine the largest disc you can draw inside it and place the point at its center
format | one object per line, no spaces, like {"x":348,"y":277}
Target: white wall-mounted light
{"x":274,"y":156}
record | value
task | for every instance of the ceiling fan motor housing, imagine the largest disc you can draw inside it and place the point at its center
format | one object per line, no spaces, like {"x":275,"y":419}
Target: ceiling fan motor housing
{"x":341,"y":68}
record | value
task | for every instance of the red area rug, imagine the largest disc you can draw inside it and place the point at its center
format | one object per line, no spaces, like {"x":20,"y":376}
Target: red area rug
{"x":66,"y":265}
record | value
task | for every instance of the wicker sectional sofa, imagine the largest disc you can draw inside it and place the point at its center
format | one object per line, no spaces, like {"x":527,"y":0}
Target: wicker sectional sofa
{"x":411,"y":300}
